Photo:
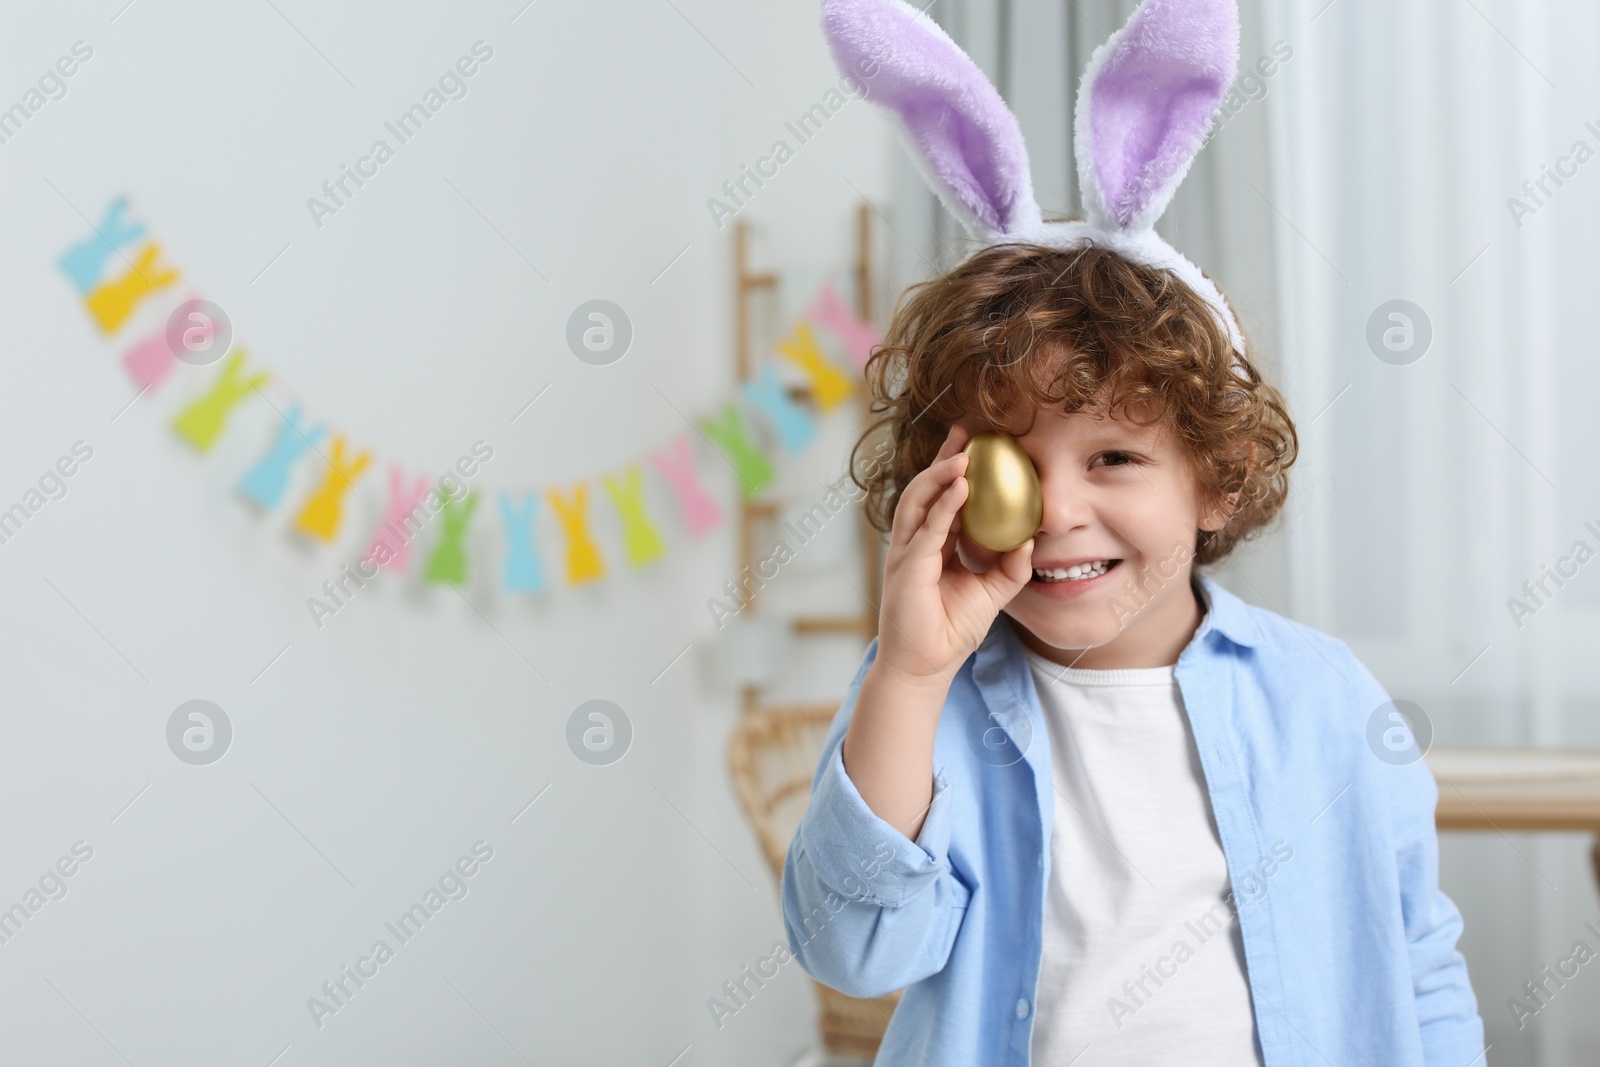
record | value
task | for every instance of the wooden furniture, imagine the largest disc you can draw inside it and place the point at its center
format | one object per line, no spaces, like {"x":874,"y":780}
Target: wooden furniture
{"x":1518,"y":789}
{"x":748,"y":283}
{"x":774,"y":750}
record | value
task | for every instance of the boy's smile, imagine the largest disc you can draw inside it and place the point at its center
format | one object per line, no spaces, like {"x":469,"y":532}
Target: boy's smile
{"x":1112,"y":557}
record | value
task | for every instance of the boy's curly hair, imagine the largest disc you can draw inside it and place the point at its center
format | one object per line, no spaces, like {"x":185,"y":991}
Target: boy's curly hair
{"x":1021,"y":327}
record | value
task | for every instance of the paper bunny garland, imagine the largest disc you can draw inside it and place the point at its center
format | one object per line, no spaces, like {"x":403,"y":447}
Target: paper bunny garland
{"x":1144,"y":108}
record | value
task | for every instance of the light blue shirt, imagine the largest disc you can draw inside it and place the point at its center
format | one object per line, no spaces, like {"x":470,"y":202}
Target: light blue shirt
{"x":1350,"y":946}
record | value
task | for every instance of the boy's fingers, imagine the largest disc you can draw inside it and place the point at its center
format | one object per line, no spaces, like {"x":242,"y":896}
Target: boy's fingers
{"x":935,"y":526}
{"x":918,"y":498}
{"x":977,"y":558}
{"x":954,"y":442}
{"x":1014,"y":571}
{"x":925,"y":488}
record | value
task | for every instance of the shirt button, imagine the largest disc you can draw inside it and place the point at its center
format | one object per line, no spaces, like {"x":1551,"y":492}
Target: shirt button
{"x":1022,"y":1009}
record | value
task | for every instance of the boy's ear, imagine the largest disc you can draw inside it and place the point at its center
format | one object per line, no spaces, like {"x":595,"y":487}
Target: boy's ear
{"x":1217,"y":516}
{"x":1221,"y":510}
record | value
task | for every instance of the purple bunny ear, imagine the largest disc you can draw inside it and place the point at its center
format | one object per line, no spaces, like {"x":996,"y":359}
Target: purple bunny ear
{"x":963,"y":138}
{"x":1146,"y":104}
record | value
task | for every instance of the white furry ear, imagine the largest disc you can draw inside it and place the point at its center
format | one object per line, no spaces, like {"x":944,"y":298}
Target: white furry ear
{"x":1146,"y":102}
{"x":963,"y":139}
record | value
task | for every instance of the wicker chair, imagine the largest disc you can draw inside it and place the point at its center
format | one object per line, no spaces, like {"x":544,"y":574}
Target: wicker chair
{"x":773,"y":755}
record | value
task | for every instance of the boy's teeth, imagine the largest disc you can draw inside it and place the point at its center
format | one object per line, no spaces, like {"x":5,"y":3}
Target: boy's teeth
{"x":1074,"y":573}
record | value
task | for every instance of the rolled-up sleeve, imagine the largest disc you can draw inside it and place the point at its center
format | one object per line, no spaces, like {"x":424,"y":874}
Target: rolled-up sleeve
{"x":1447,"y":1008}
{"x":866,"y":909}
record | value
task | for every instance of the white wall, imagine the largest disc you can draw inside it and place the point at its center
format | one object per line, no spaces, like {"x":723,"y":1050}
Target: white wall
{"x":377,"y":749}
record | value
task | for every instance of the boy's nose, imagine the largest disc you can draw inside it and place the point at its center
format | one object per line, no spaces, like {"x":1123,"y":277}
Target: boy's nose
{"x":1066,"y":504}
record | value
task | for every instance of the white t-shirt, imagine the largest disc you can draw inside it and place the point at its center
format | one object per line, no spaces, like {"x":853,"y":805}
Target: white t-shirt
{"x":1142,"y":961}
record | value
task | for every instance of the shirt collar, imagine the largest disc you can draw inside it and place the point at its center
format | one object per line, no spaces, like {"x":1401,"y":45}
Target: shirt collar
{"x":1224,"y":613}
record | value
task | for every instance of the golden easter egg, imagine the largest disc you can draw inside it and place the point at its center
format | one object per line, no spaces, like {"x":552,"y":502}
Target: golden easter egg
{"x":1004,"y":505}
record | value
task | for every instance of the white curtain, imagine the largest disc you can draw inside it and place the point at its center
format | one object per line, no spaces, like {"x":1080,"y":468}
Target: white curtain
{"x":1378,"y":163}
{"x":1400,"y":145}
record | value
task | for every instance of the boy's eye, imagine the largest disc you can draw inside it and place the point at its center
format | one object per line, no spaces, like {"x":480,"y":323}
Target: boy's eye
{"x":1116,"y":459}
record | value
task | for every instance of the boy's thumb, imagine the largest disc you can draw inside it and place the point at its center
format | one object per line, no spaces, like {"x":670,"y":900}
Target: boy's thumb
{"x":1018,"y":563}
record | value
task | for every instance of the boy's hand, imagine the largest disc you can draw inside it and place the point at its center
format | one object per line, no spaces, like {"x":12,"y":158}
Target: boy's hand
{"x":935,"y":611}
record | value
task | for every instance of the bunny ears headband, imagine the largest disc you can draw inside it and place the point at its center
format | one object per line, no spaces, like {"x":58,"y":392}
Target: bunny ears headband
{"x":1144,"y":108}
